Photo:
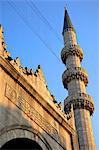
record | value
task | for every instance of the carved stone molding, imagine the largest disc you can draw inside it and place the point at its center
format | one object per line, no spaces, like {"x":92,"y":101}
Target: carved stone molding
{"x":20,"y":101}
{"x":71,"y":50}
{"x":81,"y":101}
{"x":22,"y":131}
{"x":76,"y":73}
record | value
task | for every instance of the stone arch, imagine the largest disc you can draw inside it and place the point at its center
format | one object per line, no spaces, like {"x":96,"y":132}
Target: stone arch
{"x":14,"y":132}
{"x":21,"y":144}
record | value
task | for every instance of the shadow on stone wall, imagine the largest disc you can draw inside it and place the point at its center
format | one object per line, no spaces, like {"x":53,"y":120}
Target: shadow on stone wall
{"x":14,"y":124}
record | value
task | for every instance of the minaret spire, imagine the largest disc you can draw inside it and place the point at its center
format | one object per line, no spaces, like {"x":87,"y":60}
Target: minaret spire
{"x":68,"y":33}
{"x":75,"y":80}
{"x":67,"y":22}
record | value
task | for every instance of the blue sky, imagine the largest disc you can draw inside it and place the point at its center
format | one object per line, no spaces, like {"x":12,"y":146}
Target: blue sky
{"x":26,"y":36}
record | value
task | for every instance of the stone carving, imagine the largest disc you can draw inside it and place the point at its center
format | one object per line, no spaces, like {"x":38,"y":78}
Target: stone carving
{"x":30,"y":111}
{"x":74,"y":73}
{"x":71,"y":50}
{"x":81,"y":100}
{"x":10,"y":93}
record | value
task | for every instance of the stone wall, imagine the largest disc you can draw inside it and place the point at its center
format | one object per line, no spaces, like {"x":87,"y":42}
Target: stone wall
{"x":22,"y":108}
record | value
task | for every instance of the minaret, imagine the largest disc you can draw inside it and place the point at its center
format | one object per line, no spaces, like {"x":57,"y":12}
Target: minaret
{"x":75,"y":80}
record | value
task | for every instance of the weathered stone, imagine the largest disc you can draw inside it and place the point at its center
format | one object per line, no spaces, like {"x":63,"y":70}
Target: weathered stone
{"x":28,"y":109}
{"x":75,"y":80}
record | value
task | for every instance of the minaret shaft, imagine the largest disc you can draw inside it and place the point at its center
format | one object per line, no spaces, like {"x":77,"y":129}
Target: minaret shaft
{"x":75,"y":80}
{"x":84,"y":129}
{"x":72,"y":61}
{"x":70,"y":38}
{"x":76,"y":86}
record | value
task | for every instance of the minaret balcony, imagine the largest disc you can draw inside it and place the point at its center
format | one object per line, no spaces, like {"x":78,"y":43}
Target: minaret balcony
{"x":71,"y":50}
{"x":75,"y":73}
{"x":79,"y":101}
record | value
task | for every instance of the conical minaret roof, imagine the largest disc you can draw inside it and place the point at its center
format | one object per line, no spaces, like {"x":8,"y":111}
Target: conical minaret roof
{"x":67,"y":22}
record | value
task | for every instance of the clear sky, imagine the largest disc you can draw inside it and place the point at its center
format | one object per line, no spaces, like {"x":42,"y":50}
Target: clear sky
{"x":34,"y":39}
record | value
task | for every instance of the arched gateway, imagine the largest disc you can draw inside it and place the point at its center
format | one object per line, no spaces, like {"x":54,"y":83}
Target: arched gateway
{"x":21,"y":143}
{"x":22,"y":138}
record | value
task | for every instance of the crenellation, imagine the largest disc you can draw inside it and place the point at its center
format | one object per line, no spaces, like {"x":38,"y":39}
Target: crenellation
{"x":35,"y":79}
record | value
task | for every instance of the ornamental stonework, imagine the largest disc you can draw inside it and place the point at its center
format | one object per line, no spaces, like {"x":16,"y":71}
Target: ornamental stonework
{"x":75,"y":80}
{"x":23,"y":105}
{"x":71,"y":50}
{"x":76,"y":73}
{"x":80,"y":100}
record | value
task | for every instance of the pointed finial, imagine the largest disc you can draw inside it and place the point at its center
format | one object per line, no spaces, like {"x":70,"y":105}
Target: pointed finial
{"x":67,"y":22}
{"x":65,"y":6}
